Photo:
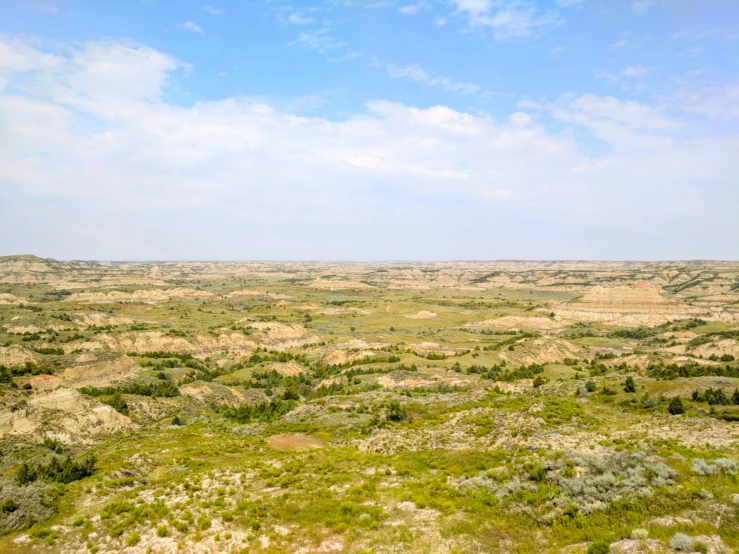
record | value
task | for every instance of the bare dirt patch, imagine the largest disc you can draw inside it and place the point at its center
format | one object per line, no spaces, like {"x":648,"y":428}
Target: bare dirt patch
{"x":423,"y":314}
{"x":293,"y":442}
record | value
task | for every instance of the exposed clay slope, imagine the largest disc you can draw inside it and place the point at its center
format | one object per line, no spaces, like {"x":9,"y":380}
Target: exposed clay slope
{"x":62,"y":413}
{"x":101,"y":373}
{"x":217,"y":394}
{"x":627,"y":306}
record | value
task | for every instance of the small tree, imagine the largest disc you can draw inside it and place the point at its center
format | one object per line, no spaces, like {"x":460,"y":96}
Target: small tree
{"x":291,"y":392}
{"x":396,"y":412}
{"x":676,"y":406}
{"x":26,"y":474}
{"x":629,"y":385}
{"x":590,"y":386}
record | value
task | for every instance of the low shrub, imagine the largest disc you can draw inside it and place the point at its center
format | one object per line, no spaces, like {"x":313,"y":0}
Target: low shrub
{"x":681,"y":542}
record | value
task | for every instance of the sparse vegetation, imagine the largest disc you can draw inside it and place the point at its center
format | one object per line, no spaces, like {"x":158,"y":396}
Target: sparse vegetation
{"x":257,"y":411}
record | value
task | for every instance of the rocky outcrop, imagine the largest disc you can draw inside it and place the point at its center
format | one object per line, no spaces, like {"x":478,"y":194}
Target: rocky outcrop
{"x":540,"y":351}
{"x":62,"y":413}
{"x":286,"y":369}
{"x":11,"y":300}
{"x":517,"y":322}
{"x":101,"y":373}
{"x":16,"y":355}
{"x":217,"y":394}
{"x":148,"y":296}
{"x":635,"y":305}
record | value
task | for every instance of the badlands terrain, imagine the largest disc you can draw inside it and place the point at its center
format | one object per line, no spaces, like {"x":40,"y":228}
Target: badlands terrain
{"x":369,"y":407}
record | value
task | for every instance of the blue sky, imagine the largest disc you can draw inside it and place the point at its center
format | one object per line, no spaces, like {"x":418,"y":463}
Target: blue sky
{"x":459,"y":129}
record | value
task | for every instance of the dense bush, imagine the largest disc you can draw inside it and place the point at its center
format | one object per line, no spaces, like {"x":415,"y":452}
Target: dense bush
{"x":693,"y":369}
{"x":50,"y":351}
{"x":64,"y":471}
{"x":5,"y":375}
{"x":163,"y":389}
{"x":716,"y":397}
{"x":28,"y":368}
{"x":676,"y":406}
{"x":264,"y":412}
{"x":501,"y":373}
{"x":117,"y":402}
{"x":637,"y":334}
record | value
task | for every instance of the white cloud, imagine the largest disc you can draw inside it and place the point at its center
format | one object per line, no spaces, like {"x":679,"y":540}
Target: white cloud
{"x":93,"y":138}
{"x":416,"y":73}
{"x":411,"y":9}
{"x":194,"y":27}
{"x":212,"y":10}
{"x":718,"y":102}
{"x":568,"y":3}
{"x":319,"y":40}
{"x":626,"y":125}
{"x":473,"y":6}
{"x":46,"y":8}
{"x":642,"y":6}
{"x":695,"y":36}
{"x":506,"y":19}
{"x":619,"y":44}
{"x":633,"y":71}
{"x":297,"y":19}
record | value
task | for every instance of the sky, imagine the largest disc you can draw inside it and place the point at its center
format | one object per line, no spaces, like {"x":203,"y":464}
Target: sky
{"x":369,"y":130}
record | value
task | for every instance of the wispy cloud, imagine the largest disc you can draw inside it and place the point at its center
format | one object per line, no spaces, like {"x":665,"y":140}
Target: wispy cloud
{"x":411,"y":9}
{"x":319,"y":40}
{"x":297,"y":19}
{"x":194,"y":27}
{"x":416,"y":73}
{"x":642,"y":6}
{"x":633,"y":71}
{"x":619,"y":44}
{"x":627,"y":78}
{"x":506,"y":19}
{"x":46,"y":8}
{"x":212,"y":10}
{"x":695,"y":36}
{"x":568,"y":3}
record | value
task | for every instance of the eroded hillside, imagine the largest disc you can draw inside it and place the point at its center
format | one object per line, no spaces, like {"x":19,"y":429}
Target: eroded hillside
{"x":324,"y":407}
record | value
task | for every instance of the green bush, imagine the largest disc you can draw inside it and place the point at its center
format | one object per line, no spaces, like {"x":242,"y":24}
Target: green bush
{"x":714,"y":397}
{"x":676,"y":406}
{"x":65,"y":471}
{"x":165,"y":389}
{"x":264,"y":412}
{"x":8,"y":506}
{"x":600,"y":547}
{"x":26,"y":474}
